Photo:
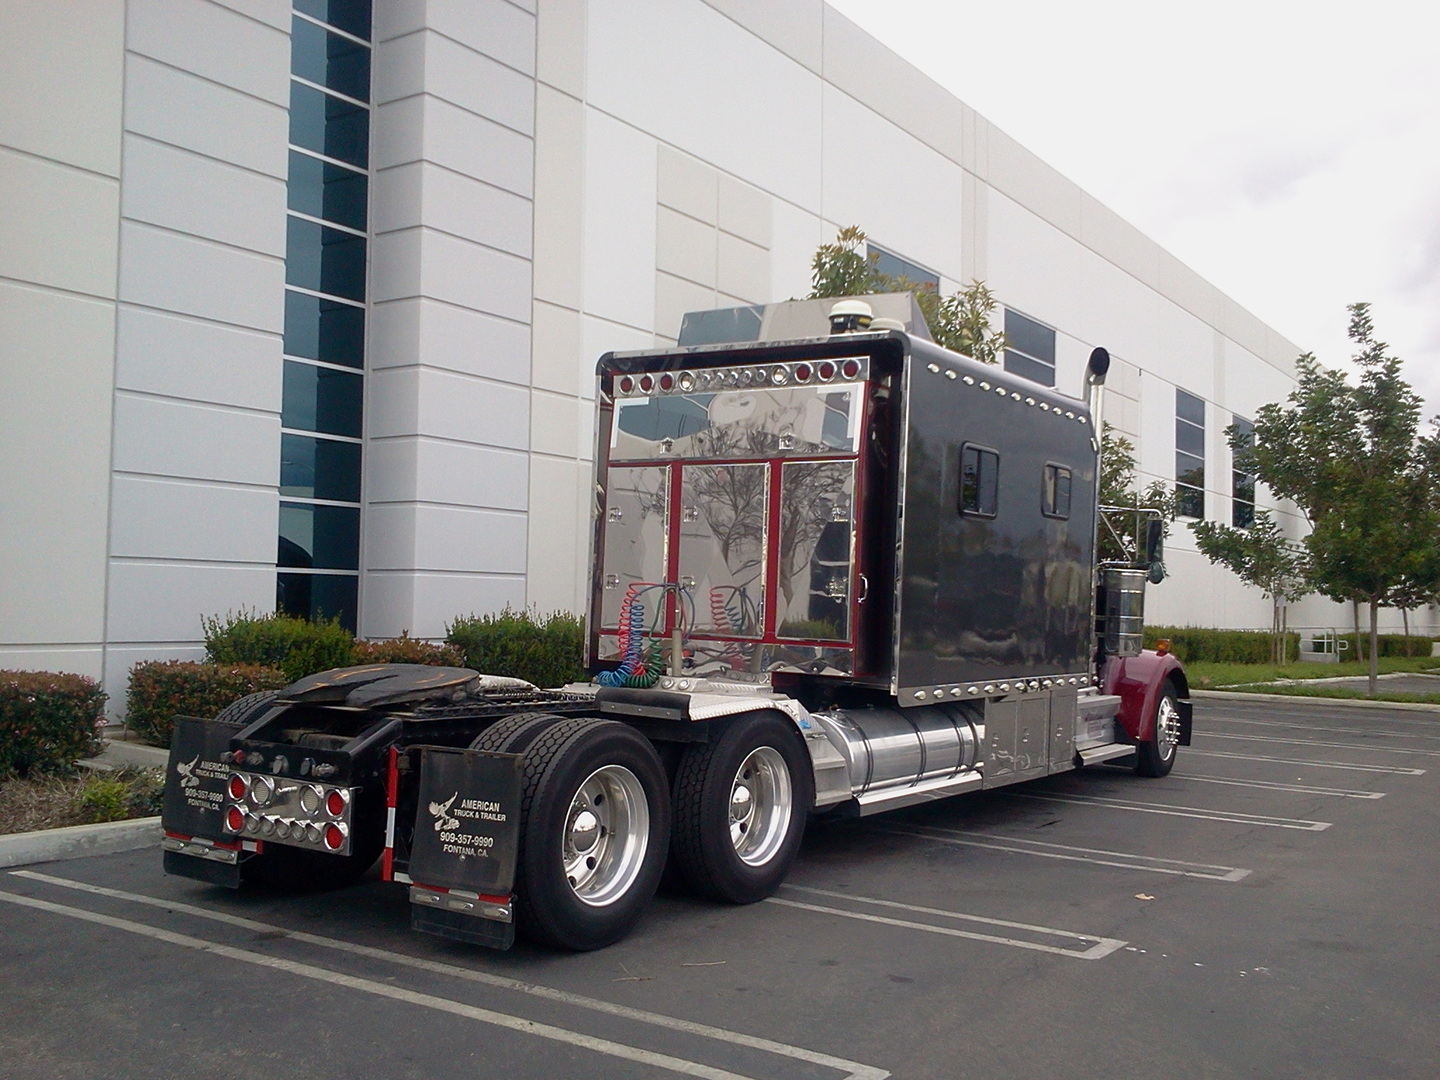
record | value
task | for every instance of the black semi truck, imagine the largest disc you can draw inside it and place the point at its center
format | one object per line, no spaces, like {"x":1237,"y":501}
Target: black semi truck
{"x":833,"y":573}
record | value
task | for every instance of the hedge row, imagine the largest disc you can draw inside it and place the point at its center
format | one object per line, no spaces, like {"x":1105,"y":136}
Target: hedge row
{"x":546,"y":650}
{"x":160,"y":690}
{"x":48,"y":721}
{"x":1390,"y":645}
{"x":1192,"y":644}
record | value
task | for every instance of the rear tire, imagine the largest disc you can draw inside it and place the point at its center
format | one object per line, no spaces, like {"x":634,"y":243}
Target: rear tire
{"x":740,"y":807}
{"x":1156,"y":757}
{"x":246,"y":708}
{"x":595,"y":825}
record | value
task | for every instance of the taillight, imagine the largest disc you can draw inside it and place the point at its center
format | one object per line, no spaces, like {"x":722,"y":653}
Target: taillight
{"x":667,"y":381}
{"x":802,"y":373}
{"x":235,"y":819}
{"x":647,"y":383}
{"x":334,"y":837}
{"x":335,"y":804}
{"x":237,"y":787}
{"x":827,"y":371}
{"x":851,"y":368}
{"x":627,"y":384}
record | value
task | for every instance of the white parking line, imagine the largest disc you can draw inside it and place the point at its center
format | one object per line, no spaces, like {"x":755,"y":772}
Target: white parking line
{"x":379,"y":989}
{"x":1198,"y":812}
{"x":1123,"y":860}
{"x":1338,"y":730}
{"x":1099,"y":946}
{"x":1275,"y":785}
{"x":1350,"y":765}
{"x":853,"y":1070}
{"x":1328,"y":745}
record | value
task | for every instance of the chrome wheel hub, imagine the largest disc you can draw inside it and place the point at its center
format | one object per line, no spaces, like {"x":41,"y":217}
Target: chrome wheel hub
{"x":1167,"y":728}
{"x":761,"y":806}
{"x":607,"y":831}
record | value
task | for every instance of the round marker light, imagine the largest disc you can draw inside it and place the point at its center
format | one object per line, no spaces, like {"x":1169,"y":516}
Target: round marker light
{"x":647,"y":383}
{"x":627,"y":385}
{"x":235,"y":819}
{"x":261,"y":791}
{"x":282,"y":829}
{"x":335,"y":804}
{"x":667,"y":381}
{"x":310,"y":800}
{"x":267,"y":826}
{"x":851,"y":368}
{"x":312,"y":833}
{"x":334,"y":837}
{"x":687,"y":382}
{"x":237,"y":787}
{"x":779,"y":376}
{"x":803,"y":373}
{"x":827,"y":371}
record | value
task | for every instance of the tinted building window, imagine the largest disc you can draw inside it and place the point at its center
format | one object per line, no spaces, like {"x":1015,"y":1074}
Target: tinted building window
{"x":1189,"y":455}
{"x":1029,"y":349}
{"x":895,"y":266}
{"x":1242,"y":484}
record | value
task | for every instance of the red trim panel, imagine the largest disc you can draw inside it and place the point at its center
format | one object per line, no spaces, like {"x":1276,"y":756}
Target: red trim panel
{"x":1139,"y":681}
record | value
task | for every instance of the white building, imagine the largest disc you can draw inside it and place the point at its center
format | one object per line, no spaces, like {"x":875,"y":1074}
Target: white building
{"x":196,"y":373}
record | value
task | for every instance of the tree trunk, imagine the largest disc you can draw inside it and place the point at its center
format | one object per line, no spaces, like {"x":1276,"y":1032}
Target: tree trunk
{"x":1374,"y":643}
{"x":1359,"y":646}
{"x":1285,"y":635}
{"x":1277,"y":638}
{"x":1405,"y":619}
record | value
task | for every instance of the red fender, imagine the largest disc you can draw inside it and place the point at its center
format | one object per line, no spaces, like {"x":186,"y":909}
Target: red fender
{"x":1139,"y":681}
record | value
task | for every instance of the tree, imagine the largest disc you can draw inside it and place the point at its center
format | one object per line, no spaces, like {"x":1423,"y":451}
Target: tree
{"x":1122,"y":535}
{"x":1264,"y":557}
{"x":960,"y":322}
{"x":1350,"y":458}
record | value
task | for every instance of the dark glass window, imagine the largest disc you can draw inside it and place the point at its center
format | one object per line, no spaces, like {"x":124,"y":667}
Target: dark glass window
{"x":1189,"y":455}
{"x":329,"y":126}
{"x":1029,"y":349}
{"x":329,"y":59}
{"x":325,"y":260}
{"x":313,"y":468}
{"x":325,"y":190}
{"x":895,"y":266}
{"x":318,"y":596}
{"x":1242,"y":484}
{"x":1055,"y":492}
{"x":319,"y":537}
{"x":321,"y":399}
{"x":352,"y":16}
{"x":320,"y":329}
{"x":979,"y":481}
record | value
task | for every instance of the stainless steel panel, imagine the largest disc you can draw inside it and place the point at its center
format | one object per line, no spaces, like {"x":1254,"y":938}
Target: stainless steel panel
{"x":1062,"y":730}
{"x":723,"y":523}
{"x":891,"y":748}
{"x":1123,"y":620}
{"x":816,"y":550}
{"x":636,"y":529}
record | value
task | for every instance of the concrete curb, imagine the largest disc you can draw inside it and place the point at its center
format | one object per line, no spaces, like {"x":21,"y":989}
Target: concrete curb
{"x":79,"y":841}
{"x":1355,"y":703}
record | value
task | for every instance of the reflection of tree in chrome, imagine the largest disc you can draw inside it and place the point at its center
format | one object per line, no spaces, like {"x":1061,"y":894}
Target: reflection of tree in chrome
{"x":809,"y":493}
{"x":731,"y":498}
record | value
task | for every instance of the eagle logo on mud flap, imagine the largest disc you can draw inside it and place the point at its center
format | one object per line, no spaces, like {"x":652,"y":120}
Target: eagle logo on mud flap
{"x":443,"y":821}
{"x":188,"y":779}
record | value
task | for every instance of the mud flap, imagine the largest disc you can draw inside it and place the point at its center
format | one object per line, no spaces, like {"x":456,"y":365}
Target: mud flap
{"x":1187,"y":711}
{"x":192,"y":813}
{"x":466,"y":840}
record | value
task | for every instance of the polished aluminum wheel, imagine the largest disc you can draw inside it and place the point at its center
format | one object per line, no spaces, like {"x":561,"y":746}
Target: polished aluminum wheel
{"x":1167,"y":728}
{"x":761,"y":805}
{"x":607,"y":832}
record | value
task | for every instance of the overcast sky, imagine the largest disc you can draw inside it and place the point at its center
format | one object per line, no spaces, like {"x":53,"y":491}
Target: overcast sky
{"x":1288,"y":152}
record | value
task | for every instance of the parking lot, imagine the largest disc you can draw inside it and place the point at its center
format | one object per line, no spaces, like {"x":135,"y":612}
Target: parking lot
{"x":1267,"y":910}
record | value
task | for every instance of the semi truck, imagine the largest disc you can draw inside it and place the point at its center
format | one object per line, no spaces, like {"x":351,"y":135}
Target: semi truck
{"x":836,"y":570}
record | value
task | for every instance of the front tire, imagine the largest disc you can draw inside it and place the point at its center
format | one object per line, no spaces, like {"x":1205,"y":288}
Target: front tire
{"x":1156,"y":757}
{"x":740,"y":808}
{"x":595,"y":825}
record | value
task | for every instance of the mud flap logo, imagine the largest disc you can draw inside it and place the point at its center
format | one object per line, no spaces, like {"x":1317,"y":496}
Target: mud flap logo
{"x":188,"y":779}
{"x":443,"y":821}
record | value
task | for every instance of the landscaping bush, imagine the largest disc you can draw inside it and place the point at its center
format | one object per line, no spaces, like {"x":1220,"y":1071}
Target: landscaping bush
{"x":297,"y":647}
{"x":1390,"y":645}
{"x":121,"y":795}
{"x":162,"y":689}
{"x":408,"y":650}
{"x":1192,"y":644}
{"x":548,"y":651}
{"x":48,"y":721}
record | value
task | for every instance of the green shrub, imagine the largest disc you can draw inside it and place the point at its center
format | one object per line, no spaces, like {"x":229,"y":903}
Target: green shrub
{"x":120,"y":795}
{"x":1192,"y":644}
{"x":297,"y":647}
{"x":548,"y":651}
{"x":48,"y":721}
{"x":162,"y":689}
{"x":408,"y":650}
{"x":1390,"y":645}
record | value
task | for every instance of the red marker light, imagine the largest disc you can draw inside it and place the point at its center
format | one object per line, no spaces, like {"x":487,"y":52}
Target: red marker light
{"x":647,"y":383}
{"x":334,"y":838}
{"x":827,"y":371}
{"x":234,"y":819}
{"x":237,"y":787}
{"x":667,"y":382}
{"x":335,"y":804}
{"x":802,"y":373}
{"x":851,"y":368}
{"x":627,"y":385}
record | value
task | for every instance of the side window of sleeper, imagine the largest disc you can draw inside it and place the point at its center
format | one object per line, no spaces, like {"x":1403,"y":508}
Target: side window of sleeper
{"x":979,"y":481}
{"x":1055,"y":492}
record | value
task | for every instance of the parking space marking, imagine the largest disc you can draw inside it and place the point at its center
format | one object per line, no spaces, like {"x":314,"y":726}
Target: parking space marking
{"x":1350,"y":765}
{"x":1198,"y":812}
{"x":853,"y":1070}
{"x":1099,"y":947}
{"x":1338,"y":730}
{"x":379,"y":989}
{"x":1122,"y":860}
{"x":1328,"y":745}
{"x":1275,"y":785}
